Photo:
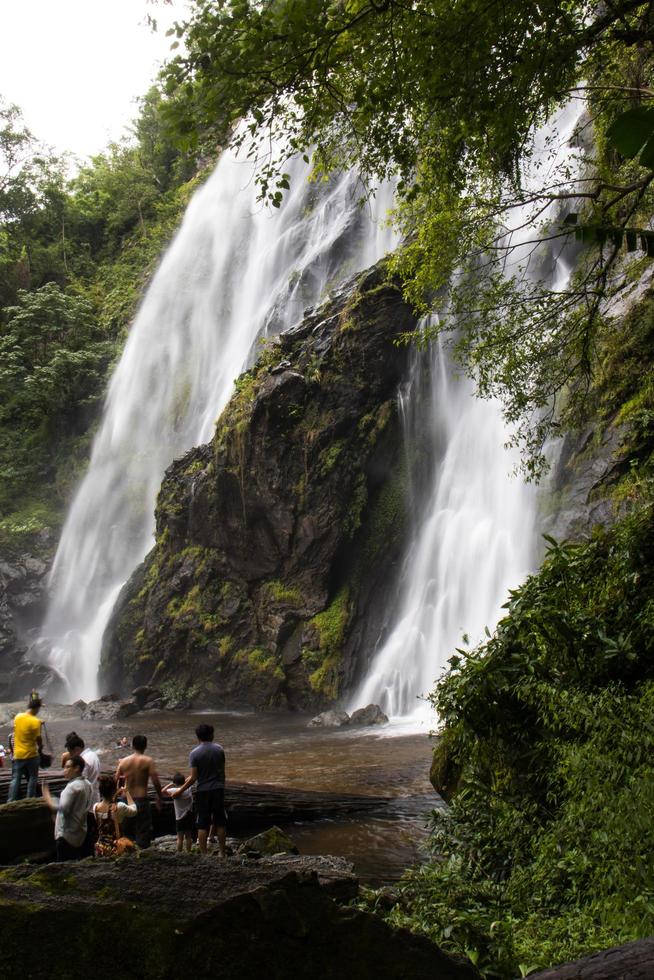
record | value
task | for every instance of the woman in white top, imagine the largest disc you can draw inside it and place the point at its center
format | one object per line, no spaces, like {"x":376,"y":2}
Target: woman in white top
{"x":109,"y":815}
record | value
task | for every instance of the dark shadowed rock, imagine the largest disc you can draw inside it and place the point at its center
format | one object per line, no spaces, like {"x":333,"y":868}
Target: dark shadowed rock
{"x":632,"y":961}
{"x":277,"y":543}
{"x":158,"y":914}
{"x":271,"y":841}
{"x":145,"y":693}
{"x":23,"y":581}
{"x":26,"y":831}
{"x":330,"y":719}
{"x":372,"y":714}
{"x":26,"y":676}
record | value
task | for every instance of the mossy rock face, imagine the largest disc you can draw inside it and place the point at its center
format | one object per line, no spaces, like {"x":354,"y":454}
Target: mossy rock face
{"x":158,"y":913}
{"x":276,"y":543}
{"x":444,"y":773}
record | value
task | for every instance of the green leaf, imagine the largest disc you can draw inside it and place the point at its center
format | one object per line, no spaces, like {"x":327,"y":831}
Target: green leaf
{"x":647,"y":156}
{"x":631,"y":131}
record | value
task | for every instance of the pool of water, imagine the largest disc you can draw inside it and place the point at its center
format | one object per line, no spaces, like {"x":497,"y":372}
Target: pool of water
{"x":281,"y":749}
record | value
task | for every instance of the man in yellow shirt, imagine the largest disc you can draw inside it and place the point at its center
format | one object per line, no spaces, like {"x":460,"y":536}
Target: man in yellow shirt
{"x":27,"y":745}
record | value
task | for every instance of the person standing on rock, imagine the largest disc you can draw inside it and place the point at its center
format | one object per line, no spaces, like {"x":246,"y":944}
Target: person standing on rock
{"x":135,"y":772}
{"x":207,"y":763}
{"x":27,"y":745}
{"x":75,"y":746}
{"x":72,"y":809}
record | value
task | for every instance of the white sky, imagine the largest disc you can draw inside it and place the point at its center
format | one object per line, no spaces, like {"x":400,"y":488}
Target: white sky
{"x":76,"y":66}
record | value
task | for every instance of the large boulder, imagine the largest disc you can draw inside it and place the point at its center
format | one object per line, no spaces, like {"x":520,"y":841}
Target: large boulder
{"x":27,"y":676}
{"x":632,"y":961}
{"x":108,"y":708}
{"x":159,"y":914}
{"x":372,"y":714}
{"x":330,"y":719}
{"x":277,"y":543}
{"x":26,"y":831}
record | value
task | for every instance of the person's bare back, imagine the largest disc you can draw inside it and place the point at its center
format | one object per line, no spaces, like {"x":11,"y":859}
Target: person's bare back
{"x":137,"y":770}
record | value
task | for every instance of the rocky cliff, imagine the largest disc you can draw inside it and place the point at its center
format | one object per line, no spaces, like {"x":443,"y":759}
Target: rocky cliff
{"x":23,"y":593}
{"x":276,"y":543}
{"x":602,"y":468}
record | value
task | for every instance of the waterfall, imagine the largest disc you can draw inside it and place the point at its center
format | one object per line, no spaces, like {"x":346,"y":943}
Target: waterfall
{"x":473,"y":539}
{"x":235,"y":272}
{"x":474,"y":530}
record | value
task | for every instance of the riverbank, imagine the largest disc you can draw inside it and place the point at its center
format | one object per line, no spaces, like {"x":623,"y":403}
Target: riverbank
{"x":280,"y":750}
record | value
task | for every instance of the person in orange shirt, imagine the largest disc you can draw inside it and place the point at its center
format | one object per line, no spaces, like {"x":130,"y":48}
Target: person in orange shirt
{"x":27,"y":746}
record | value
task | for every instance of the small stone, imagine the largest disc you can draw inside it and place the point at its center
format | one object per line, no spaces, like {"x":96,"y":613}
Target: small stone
{"x":330,"y":719}
{"x":372,"y":714}
{"x":272,"y":841}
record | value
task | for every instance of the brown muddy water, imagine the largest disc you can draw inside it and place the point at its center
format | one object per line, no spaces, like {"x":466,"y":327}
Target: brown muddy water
{"x":281,"y":749}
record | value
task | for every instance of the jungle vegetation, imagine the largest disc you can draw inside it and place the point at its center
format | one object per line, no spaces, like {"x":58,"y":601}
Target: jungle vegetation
{"x":77,"y":244}
{"x":447,"y":98}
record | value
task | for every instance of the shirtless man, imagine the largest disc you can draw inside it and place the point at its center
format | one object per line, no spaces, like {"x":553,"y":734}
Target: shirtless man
{"x":135,"y":772}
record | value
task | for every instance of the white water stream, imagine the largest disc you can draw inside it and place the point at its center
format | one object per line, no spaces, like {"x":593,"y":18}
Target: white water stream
{"x":235,"y":272}
{"x":474,"y":531}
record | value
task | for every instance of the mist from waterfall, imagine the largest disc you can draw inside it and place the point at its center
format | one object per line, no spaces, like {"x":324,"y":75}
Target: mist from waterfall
{"x":235,"y":272}
{"x":474,"y":522}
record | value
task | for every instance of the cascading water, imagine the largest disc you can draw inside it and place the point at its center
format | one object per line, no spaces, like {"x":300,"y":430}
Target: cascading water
{"x":474,"y":538}
{"x":234,"y":273}
{"x":474,"y":529}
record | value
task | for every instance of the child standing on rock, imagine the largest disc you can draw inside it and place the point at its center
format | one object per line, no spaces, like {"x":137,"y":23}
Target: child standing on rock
{"x":183,"y":812}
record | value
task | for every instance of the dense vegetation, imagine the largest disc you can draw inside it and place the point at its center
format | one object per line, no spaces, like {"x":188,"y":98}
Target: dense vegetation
{"x":447,"y":96}
{"x":548,"y":728}
{"x":74,"y":254}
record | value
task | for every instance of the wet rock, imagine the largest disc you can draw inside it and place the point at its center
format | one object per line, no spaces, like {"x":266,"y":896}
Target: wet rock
{"x":23,"y":581}
{"x":272,"y":841}
{"x":27,"y":676}
{"x":225,"y":919}
{"x":143,"y":694}
{"x":180,"y":704}
{"x":157,"y":705}
{"x":107,"y":708}
{"x":444,"y":772}
{"x":372,"y":714}
{"x":277,"y":543}
{"x":79,"y":705}
{"x":26,"y":831}
{"x":631,"y":961}
{"x":330,"y":719}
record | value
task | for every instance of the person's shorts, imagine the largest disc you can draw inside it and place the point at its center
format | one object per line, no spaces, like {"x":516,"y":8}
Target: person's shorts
{"x":210,"y":806}
{"x":139,"y":827}
{"x":184,"y":825}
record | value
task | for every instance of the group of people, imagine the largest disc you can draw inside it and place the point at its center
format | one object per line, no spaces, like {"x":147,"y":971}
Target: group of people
{"x":108,"y":815}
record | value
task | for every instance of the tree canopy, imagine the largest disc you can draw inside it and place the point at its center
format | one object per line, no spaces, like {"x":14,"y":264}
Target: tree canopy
{"x":447,"y":98}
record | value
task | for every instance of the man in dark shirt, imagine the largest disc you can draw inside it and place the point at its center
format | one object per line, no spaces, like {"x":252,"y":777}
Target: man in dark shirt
{"x":207,"y":762}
